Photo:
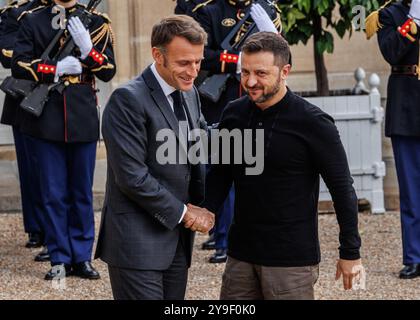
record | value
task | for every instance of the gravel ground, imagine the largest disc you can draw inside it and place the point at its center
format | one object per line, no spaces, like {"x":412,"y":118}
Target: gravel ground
{"x":21,"y":278}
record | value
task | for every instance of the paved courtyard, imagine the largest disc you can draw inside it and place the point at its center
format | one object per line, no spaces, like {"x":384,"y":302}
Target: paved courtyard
{"x":21,"y":278}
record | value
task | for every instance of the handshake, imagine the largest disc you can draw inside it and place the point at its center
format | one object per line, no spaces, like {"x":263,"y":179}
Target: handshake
{"x":198,"y":219}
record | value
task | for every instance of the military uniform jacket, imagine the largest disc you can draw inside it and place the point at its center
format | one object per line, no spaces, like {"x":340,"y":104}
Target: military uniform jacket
{"x":8,"y":33}
{"x":73,"y":115}
{"x":218,"y":19}
{"x":4,"y":12}
{"x":403,"y":102}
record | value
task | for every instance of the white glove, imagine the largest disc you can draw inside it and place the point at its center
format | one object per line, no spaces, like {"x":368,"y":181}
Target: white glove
{"x":239,"y":64}
{"x":69,"y":65}
{"x":262,"y":19}
{"x":80,"y":36}
{"x":415,"y":11}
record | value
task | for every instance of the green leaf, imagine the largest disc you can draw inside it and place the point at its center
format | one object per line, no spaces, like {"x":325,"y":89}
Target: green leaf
{"x":306,"y":5}
{"x":320,"y":46}
{"x":340,"y":27}
{"x":297,"y":14}
{"x":329,"y":42}
{"x":306,"y":29}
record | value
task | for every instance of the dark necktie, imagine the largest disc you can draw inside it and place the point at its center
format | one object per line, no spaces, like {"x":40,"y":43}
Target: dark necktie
{"x":180,"y":115}
{"x":178,"y":106}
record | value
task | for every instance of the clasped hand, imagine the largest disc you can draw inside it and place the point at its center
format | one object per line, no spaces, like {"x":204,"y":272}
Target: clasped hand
{"x":198,"y":219}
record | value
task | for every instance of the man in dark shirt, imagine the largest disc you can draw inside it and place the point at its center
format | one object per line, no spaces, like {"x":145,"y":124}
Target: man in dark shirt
{"x":219,"y":18}
{"x":273,"y":241}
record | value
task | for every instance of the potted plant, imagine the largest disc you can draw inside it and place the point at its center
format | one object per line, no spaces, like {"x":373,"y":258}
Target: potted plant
{"x":314,"y":19}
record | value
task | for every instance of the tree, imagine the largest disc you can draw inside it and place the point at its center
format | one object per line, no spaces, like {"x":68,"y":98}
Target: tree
{"x":303,"y":19}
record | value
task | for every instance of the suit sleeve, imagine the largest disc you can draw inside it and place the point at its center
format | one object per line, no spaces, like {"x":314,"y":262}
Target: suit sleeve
{"x":125,"y":136}
{"x":329,"y":154}
{"x":392,"y":44}
{"x":101,"y":61}
{"x":25,"y":65}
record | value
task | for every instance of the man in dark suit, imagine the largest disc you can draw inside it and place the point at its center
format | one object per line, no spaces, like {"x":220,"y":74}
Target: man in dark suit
{"x":146,"y":233}
{"x":398,"y":38}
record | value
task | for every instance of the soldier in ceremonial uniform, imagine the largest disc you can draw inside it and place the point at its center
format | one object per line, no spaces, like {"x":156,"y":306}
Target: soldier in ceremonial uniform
{"x":66,"y":132}
{"x":398,"y":36}
{"x":218,"y":18}
{"x":11,"y":115}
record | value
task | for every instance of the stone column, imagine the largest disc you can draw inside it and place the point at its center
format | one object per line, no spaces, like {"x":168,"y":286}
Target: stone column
{"x":132,"y":24}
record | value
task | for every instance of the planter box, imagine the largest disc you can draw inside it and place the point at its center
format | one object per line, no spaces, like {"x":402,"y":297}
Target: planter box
{"x":358,"y":119}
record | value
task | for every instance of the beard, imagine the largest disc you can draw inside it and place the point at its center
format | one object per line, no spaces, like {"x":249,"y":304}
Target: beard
{"x":269,"y":93}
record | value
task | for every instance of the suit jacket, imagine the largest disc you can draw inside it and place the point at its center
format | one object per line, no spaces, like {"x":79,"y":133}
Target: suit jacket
{"x":144,"y":200}
{"x":402,"y":108}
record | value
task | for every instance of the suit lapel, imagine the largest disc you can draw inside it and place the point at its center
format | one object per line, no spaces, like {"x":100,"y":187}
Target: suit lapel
{"x":162,"y":102}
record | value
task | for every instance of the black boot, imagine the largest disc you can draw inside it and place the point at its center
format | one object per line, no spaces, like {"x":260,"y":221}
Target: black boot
{"x":219,"y":257}
{"x":210,"y":244}
{"x":43,"y":255}
{"x":410,"y":271}
{"x":58,"y":271}
{"x":85,"y":270}
{"x":35,"y":240}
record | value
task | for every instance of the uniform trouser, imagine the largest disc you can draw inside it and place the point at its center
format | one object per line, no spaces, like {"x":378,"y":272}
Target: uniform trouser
{"x":224,"y":220}
{"x":31,"y":215}
{"x":66,"y":180}
{"x":407,"y":162}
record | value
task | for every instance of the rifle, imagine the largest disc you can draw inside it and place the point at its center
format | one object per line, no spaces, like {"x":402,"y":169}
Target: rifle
{"x":213,"y":86}
{"x":36,"y":94}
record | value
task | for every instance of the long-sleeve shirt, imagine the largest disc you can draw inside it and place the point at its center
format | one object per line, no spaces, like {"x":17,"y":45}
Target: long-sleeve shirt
{"x":275,"y":219}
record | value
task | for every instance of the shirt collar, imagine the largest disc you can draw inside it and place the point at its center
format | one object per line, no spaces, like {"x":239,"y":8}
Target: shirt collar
{"x":166,"y":88}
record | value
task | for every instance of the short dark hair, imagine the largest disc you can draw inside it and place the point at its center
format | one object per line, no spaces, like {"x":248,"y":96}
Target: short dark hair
{"x":269,"y":42}
{"x":177,"y":26}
